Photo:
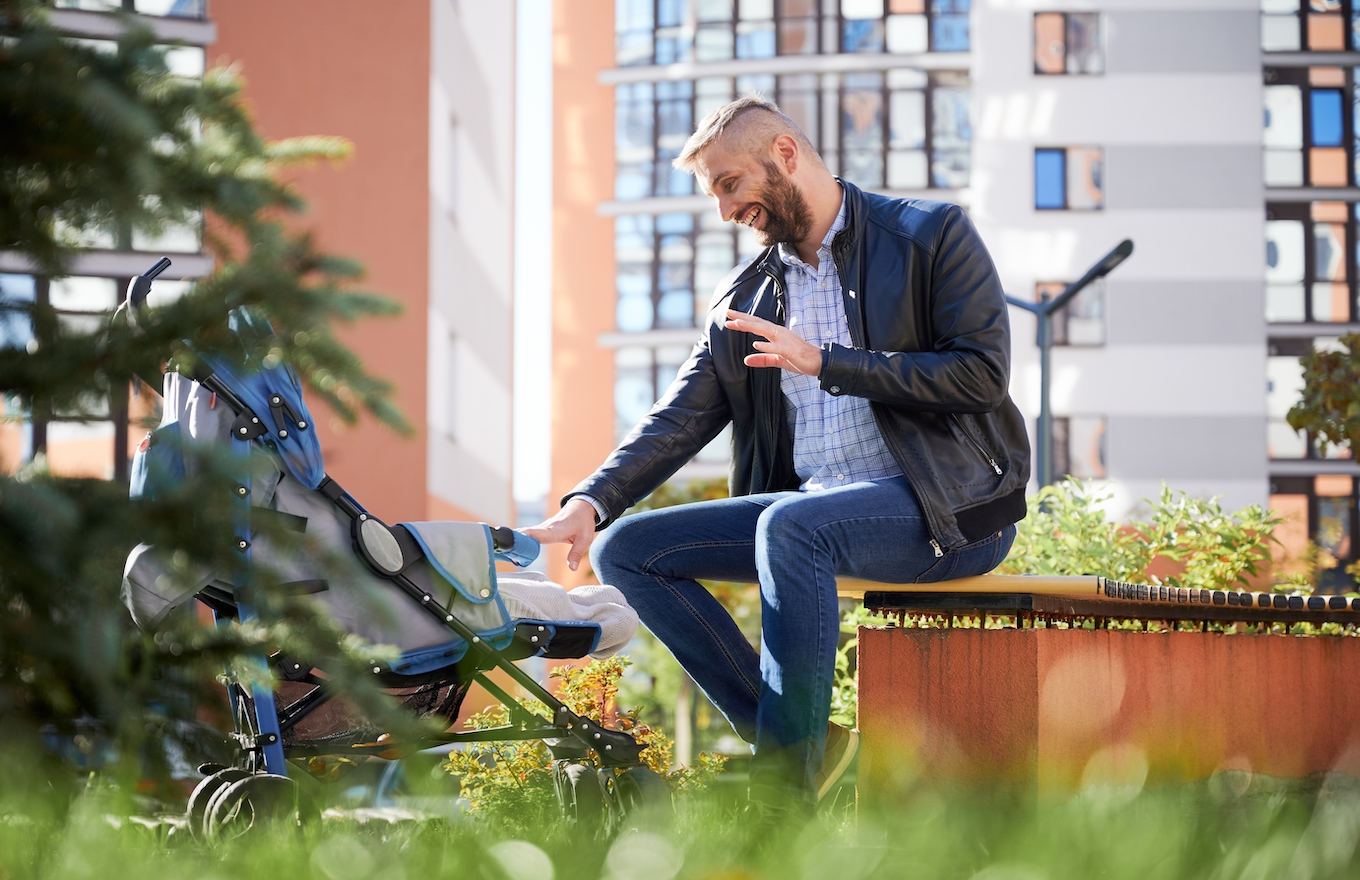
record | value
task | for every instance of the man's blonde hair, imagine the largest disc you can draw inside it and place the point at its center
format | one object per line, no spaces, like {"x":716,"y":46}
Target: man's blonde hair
{"x":746,"y":125}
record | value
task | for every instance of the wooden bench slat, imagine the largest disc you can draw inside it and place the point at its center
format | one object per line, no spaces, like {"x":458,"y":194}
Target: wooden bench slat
{"x":1045,"y":585}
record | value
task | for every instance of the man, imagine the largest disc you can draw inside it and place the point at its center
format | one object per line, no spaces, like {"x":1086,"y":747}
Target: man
{"x":862,"y":360}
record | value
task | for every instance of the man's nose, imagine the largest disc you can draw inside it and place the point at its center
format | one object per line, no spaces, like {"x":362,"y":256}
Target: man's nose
{"x":727,"y":208}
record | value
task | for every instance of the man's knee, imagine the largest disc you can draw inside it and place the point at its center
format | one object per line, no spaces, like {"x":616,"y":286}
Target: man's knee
{"x":609,"y":549}
{"x":785,"y":525}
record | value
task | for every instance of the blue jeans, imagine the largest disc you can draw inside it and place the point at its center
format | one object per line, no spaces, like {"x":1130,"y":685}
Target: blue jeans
{"x":793,"y":544}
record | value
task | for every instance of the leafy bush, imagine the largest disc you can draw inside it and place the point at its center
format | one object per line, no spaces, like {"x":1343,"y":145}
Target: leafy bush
{"x":511,"y":782}
{"x":1329,"y":408}
{"x":1066,"y":532}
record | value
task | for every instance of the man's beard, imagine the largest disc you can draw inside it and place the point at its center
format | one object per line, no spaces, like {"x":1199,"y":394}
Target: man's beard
{"x":787,"y":216}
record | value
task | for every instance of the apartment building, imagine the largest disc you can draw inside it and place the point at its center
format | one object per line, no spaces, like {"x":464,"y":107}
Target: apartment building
{"x":1063,"y":128}
{"x":425,"y":92}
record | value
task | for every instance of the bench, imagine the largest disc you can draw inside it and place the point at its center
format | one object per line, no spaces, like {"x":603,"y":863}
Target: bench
{"x":1059,"y":708}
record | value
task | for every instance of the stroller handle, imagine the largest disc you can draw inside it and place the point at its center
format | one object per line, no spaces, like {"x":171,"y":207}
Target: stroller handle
{"x":140,"y":287}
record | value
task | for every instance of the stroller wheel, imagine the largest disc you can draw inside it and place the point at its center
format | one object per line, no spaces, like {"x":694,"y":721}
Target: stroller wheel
{"x":639,"y":794}
{"x":255,"y":801}
{"x":580,"y":795}
{"x":203,"y":794}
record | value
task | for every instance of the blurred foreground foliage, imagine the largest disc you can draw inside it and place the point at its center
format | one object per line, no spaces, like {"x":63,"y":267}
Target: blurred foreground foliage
{"x":102,"y":138}
{"x":1229,"y":826}
{"x":510,"y":783}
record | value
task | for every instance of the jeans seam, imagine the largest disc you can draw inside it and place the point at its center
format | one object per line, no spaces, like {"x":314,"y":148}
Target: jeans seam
{"x":647,"y":565}
{"x":717,"y":639}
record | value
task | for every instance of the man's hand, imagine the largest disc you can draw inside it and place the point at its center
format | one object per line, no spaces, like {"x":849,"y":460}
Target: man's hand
{"x":574,"y":524}
{"x":784,"y":348}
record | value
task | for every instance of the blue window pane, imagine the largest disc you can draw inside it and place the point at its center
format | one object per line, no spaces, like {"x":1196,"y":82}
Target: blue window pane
{"x":949,"y":33}
{"x":670,"y":13}
{"x":17,"y":294}
{"x":633,"y":48}
{"x":862,"y":35}
{"x":951,"y":6}
{"x":755,"y":39}
{"x":632,"y":15}
{"x":675,"y":223}
{"x":1326,"y":108}
{"x":1050,"y":179}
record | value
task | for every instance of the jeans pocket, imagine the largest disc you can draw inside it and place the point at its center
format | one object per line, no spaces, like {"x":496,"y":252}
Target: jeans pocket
{"x":976,"y":558}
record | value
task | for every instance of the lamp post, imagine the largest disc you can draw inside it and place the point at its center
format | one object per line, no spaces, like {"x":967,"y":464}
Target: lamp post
{"x":1043,"y":313}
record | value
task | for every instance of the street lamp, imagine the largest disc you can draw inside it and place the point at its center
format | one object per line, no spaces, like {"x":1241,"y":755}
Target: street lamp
{"x":1043,"y":313}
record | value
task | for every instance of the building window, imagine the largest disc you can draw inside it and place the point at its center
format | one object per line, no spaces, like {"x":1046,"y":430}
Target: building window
{"x":1082,"y":320}
{"x":1069,"y":178}
{"x":1308,"y":126}
{"x":1312,"y":25}
{"x":904,"y":26}
{"x":1322,"y":510}
{"x":1310,"y":262}
{"x":1079,"y":447}
{"x":1068,"y":43}
{"x":1284,"y":388}
{"x":671,"y":31}
{"x":668,"y":265}
{"x":80,"y":438}
{"x":168,"y":8}
{"x":905,"y":129}
{"x":641,"y":376}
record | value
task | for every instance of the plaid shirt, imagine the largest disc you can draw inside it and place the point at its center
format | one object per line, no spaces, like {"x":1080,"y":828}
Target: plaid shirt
{"x":835,"y":440}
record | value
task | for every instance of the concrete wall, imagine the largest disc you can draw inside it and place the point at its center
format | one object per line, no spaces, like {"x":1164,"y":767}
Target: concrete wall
{"x":471,"y":193}
{"x":1178,"y":113}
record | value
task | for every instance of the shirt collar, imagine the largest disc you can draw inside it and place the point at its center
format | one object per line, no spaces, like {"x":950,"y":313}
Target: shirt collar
{"x":789,"y":255}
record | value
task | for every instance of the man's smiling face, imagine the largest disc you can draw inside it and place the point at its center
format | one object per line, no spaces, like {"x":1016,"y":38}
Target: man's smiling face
{"x":756,"y":191}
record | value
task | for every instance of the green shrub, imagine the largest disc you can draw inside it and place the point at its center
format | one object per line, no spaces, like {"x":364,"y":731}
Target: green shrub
{"x":511,"y":782}
{"x":1066,"y":532}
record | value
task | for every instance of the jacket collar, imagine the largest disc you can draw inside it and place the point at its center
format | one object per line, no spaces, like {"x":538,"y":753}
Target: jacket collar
{"x":854,"y":218}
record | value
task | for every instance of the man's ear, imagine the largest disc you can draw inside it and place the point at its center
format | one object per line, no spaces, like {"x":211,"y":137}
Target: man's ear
{"x":787,"y":153}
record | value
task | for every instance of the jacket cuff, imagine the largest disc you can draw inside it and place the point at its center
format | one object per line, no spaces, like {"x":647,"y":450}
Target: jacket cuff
{"x":838,"y":371}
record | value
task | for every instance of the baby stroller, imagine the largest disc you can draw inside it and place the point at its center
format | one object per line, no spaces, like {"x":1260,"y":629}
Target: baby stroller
{"x":435,"y":581}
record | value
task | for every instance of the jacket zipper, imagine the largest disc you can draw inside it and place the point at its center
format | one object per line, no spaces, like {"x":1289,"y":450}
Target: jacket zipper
{"x":935,"y":545}
{"x":976,"y":445}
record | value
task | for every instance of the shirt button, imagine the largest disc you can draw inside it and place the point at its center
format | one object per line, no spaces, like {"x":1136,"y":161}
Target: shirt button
{"x":835,"y":389}
{"x":840,"y":476}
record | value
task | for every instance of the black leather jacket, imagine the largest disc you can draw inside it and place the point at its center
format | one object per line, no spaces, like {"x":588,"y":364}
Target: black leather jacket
{"x":931,"y":352}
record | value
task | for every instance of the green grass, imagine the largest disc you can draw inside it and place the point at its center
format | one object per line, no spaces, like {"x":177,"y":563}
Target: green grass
{"x":1224,"y":828}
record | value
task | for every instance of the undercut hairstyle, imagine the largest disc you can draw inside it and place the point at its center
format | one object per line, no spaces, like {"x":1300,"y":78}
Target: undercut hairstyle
{"x":745,"y":126}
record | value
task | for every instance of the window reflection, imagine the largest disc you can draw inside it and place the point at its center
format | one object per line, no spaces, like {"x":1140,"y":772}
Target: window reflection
{"x":1079,"y":446}
{"x":1307,"y":263}
{"x":1068,"y":43}
{"x":668,"y":267}
{"x":670,"y":31}
{"x":1082,"y":320}
{"x":166,"y":8}
{"x":1069,"y":178}
{"x":1312,"y":148}
{"x":886,"y":140}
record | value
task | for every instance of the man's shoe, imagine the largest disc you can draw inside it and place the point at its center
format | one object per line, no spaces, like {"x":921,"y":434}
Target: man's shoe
{"x":842,"y":747}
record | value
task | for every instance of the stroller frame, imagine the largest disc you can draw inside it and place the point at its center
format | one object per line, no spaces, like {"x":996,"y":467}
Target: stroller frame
{"x":260,"y":722}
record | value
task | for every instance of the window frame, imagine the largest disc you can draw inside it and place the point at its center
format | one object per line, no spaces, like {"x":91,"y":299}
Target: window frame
{"x":1303,"y":212}
{"x":1066,"y":16}
{"x":1064,"y":151}
{"x":886,"y":91}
